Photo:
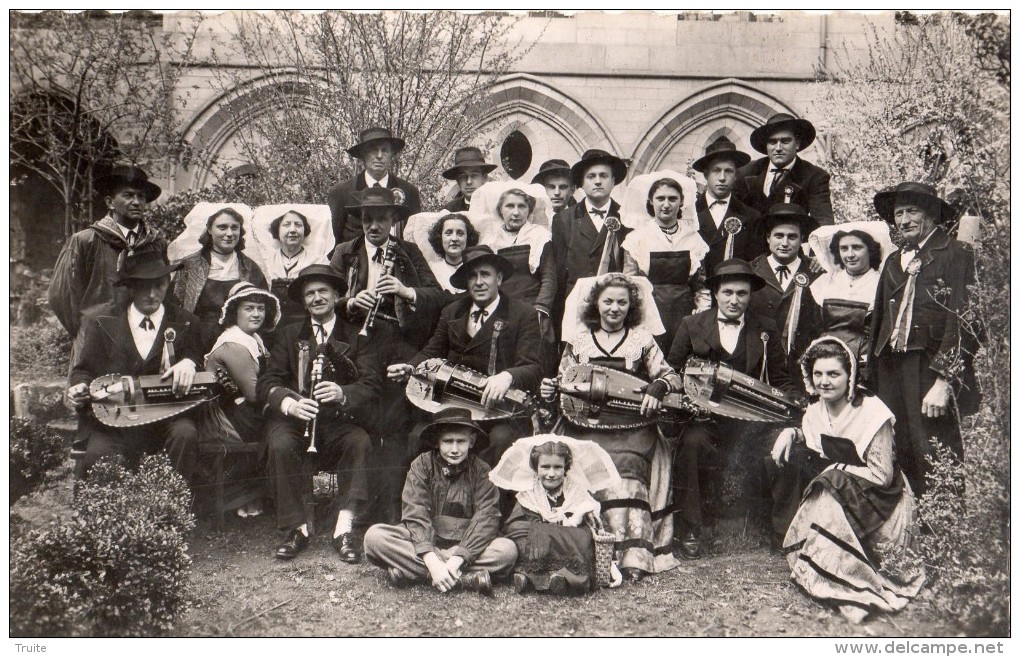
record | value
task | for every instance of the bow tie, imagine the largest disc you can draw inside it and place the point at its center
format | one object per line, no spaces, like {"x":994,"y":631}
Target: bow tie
{"x":911,"y":249}
{"x":146,"y":324}
{"x":601,"y":213}
{"x":783,"y":272}
{"x":376,"y":185}
{"x":320,"y":333}
{"x":478,"y":316}
{"x":717,"y":202}
{"x":730,"y":322}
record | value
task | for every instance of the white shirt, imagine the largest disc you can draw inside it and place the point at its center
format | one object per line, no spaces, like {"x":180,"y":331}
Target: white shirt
{"x":598,"y":221}
{"x":137,"y":230}
{"x":474,"y":326}
{"x":907,"y":256}
{"x":718,"y":211}
{"x":728,"y":333}
{"x":224,"y":270}
{"x":793,"y":266}
{"x":370,"y":181}
{"x":769,"y":175}
{"x":144,"y":338}
{"x":328,"y":326}
{"x":374,"y":268}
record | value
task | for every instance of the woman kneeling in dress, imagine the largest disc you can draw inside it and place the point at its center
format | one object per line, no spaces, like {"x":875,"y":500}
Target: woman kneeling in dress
{"x":860,"y":508}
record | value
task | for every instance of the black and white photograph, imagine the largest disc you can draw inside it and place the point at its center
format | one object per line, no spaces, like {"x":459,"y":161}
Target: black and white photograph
{"x":483,"y":323}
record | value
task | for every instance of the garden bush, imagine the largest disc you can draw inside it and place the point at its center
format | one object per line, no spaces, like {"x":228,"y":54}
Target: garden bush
{"x":41,"y":351}
{"x":118,"y":567}
{"x":35,"y":451}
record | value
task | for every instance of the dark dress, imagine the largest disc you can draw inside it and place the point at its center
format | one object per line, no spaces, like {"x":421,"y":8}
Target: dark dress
{"x":545,"y":549}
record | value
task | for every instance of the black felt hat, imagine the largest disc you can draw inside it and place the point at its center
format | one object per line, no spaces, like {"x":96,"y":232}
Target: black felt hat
{"x":127,"y":175}
{"x":734,"y":268}
{"x":551,"y":168}
{"x":787,"y":213}
{"x":373,"y":135}
{"x":802,"y":128}
{"x":469,"y":156}
{"x":145,"y":265}
{"x":721,"y":149}
{"x":595,"y":156}
{"x":316,"y":272}
{"x":885,"y":201}
{"x":478,"y":255}
{"x":452,"y":417}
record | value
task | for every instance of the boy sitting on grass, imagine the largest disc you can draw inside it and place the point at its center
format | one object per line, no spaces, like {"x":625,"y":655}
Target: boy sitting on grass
{"x":450,"y":518}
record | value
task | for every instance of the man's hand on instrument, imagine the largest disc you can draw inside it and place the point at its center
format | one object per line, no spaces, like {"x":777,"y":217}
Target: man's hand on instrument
{"x":650,"y":405}
{"x":442,"y":579}
{"x":399,"y":372}
{"x":936,"y":402}
{"x":327,"y":392}
{"x":303,"y":409}
{"x":364,"y":300}
{"x":496,"y":387}
{"x":183,"y":374}
{"x":78,"y":395}
{"x":548,"y":388}
{"x":781,"y":448}
{"x":390,"y":284}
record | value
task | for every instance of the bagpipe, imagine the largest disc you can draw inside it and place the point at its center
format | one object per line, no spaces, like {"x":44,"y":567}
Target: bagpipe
{"x":329,"y":363}
{"x":722,"y":390}
{"x":437,"y":384}
{"x":134,"y":401}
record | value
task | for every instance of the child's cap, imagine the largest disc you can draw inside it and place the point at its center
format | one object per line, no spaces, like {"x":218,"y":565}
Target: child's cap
{"x":452,"y":417}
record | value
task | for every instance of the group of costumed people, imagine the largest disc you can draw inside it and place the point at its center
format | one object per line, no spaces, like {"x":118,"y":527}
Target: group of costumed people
{"x":528,"y":284}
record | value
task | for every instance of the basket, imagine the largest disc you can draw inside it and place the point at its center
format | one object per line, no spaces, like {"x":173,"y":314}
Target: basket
{"x":604,"y":547}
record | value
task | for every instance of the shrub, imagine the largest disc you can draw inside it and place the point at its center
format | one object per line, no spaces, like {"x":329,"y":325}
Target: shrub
{"x":35,"y":450}
{"x":40,"y":351}
{"x":117,"y":568}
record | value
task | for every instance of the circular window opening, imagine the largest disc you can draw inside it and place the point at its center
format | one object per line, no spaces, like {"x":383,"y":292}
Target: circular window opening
{"x":516,"y":154}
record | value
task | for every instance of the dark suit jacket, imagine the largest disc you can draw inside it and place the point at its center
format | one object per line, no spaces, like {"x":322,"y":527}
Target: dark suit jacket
{"x":518,"y":346}
{"x":280,"y":379}
{"x":577,"y":247}
{"x":347,"y":226}
{"x":746,"y":244}
{"x":109,"y":347}
{"x":458,"y":204}
{"x":411,"y":269}
{"x":774,"y":302}
{"x":940,"y":299}
{"x":698,"y":335}
{"x":811,"y":183}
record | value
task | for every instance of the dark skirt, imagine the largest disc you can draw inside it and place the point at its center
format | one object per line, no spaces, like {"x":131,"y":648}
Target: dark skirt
{"x":554,"y":549}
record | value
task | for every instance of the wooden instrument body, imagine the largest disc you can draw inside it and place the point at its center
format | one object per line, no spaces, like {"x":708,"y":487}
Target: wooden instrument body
{"x":129,"y":401}
{"x":722,"y":390}
{"x":603,"y":398}
{"x":437,"y":384}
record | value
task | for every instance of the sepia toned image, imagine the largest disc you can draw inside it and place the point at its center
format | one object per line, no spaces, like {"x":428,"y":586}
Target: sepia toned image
{"x":511,"y":324}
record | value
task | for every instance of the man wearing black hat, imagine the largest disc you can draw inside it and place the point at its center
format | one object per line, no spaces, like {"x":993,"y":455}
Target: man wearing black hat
{"x":744,"y":341}
{"x":782,"y":174}
{"x":554,"y":175}
{"x":923,"y":335}
{"x":133,"y":341}
{"x":490,"y":333}
{"x":376,"y":149}
{"x":83,"y":276}
{"x":341,"y":404}
{"x":786,"y":296}
{"x":471,"y":171}
{"x":725,"y":223}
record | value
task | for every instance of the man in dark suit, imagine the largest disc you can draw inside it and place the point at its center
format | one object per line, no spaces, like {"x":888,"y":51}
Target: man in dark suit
{"x":786,"y":296}
{"x":923,"y":337}
{"x":471,"y":171}
{"x":746,"y":342}
{"x":407,"y":314}
{"x":581,"y":232}
{"x":725,"y":223}
{"x":488,"y":332}
{"x":132,"y":341}
{"x":342,"y":404}
{"x":377,"y":149}
{"x":782,"y":176}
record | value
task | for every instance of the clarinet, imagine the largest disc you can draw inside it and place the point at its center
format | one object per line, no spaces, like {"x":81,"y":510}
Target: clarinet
{"x":389,"y":259}
{"x":310,"y":425}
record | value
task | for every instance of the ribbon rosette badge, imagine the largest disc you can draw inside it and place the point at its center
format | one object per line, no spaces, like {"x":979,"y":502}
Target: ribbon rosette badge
{"x":499,"y":325}
{"x":914,"y":267}
{"x":398,"y":196}
{"x":612,"y":223}
{"x":733,"y":225}
{"x":801,"y":279}
{"x":169,"y":335}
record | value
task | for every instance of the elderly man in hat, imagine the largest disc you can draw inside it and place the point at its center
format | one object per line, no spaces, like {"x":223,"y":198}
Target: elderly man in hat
{"x":471,"y":171}
{"x":376,"y":149}
{"x":488,"y":332}
{"x":725,"y":223}
{"x":145,"y":337}
{"x":728,"y":334}
{"x":782,"y":174}
{"x":554,"y":175}
{"x":923,"y":335}
{"x":786,"y":296}
{"x":87,"y":266}
{"x":332,"y":415}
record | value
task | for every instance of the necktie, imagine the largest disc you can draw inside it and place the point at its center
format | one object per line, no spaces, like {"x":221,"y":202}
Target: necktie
{"x":782,"y":272}
{"x":132,"y":239}
{"x":378,"y":257}
{"x":146,"y":324}
{"x":728,"y":321}
{"x":478,"y":316}
{"x":377,"y":184}
{"x":777,"y":177}
{"x":601,"y":213}
{"x":320,"y":333}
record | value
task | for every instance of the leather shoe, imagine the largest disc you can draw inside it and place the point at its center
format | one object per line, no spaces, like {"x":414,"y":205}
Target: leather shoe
{"x":397,"y":577}
{"x":558,"y":585}
{"x":521,"y":583}
{"x":347,"y":547}
{"x":633,"y":575}
{"x":296,"y":542}
{"x":477,"y":580}
{"x":690,"y":546}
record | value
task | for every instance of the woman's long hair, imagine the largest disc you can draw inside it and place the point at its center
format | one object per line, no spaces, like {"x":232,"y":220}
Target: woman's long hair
{"x":206,"y":240}
{"x":590,"y":313}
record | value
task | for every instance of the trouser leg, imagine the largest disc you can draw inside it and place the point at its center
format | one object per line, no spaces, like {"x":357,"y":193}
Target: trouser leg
{"x":288,"y":478}
{"x":390,"y":546}
{"x":181,"y":446}
{"x":349,"y":446}
{"x":498,"y":558}
{"x":695,"y":454}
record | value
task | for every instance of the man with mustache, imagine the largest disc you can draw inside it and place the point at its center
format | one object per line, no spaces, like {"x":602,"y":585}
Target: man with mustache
{"x":377,"y":150}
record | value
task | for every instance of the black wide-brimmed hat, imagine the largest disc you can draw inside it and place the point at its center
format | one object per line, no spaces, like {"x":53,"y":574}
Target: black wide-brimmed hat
{"x":595,"y":156}
{"x":378,"y":197}
{"x":127,"y":175}
{"x":905,"y":192}
{"x":313,"y":273}
{"x":145,"y":265}
{"x":372,"y":135}
{"x":474,"y":256}
{"x":787,"y":213}
{"x":721,"y":149}
{"x":731,"y":269}
{"x":802,"y":128}
{"x":551,"y":168}
{"x":468,"y":156}
{"x":452,"y":417}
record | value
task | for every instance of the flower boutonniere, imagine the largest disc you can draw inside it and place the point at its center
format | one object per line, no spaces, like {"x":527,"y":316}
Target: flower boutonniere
{"x":914,"y":267}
